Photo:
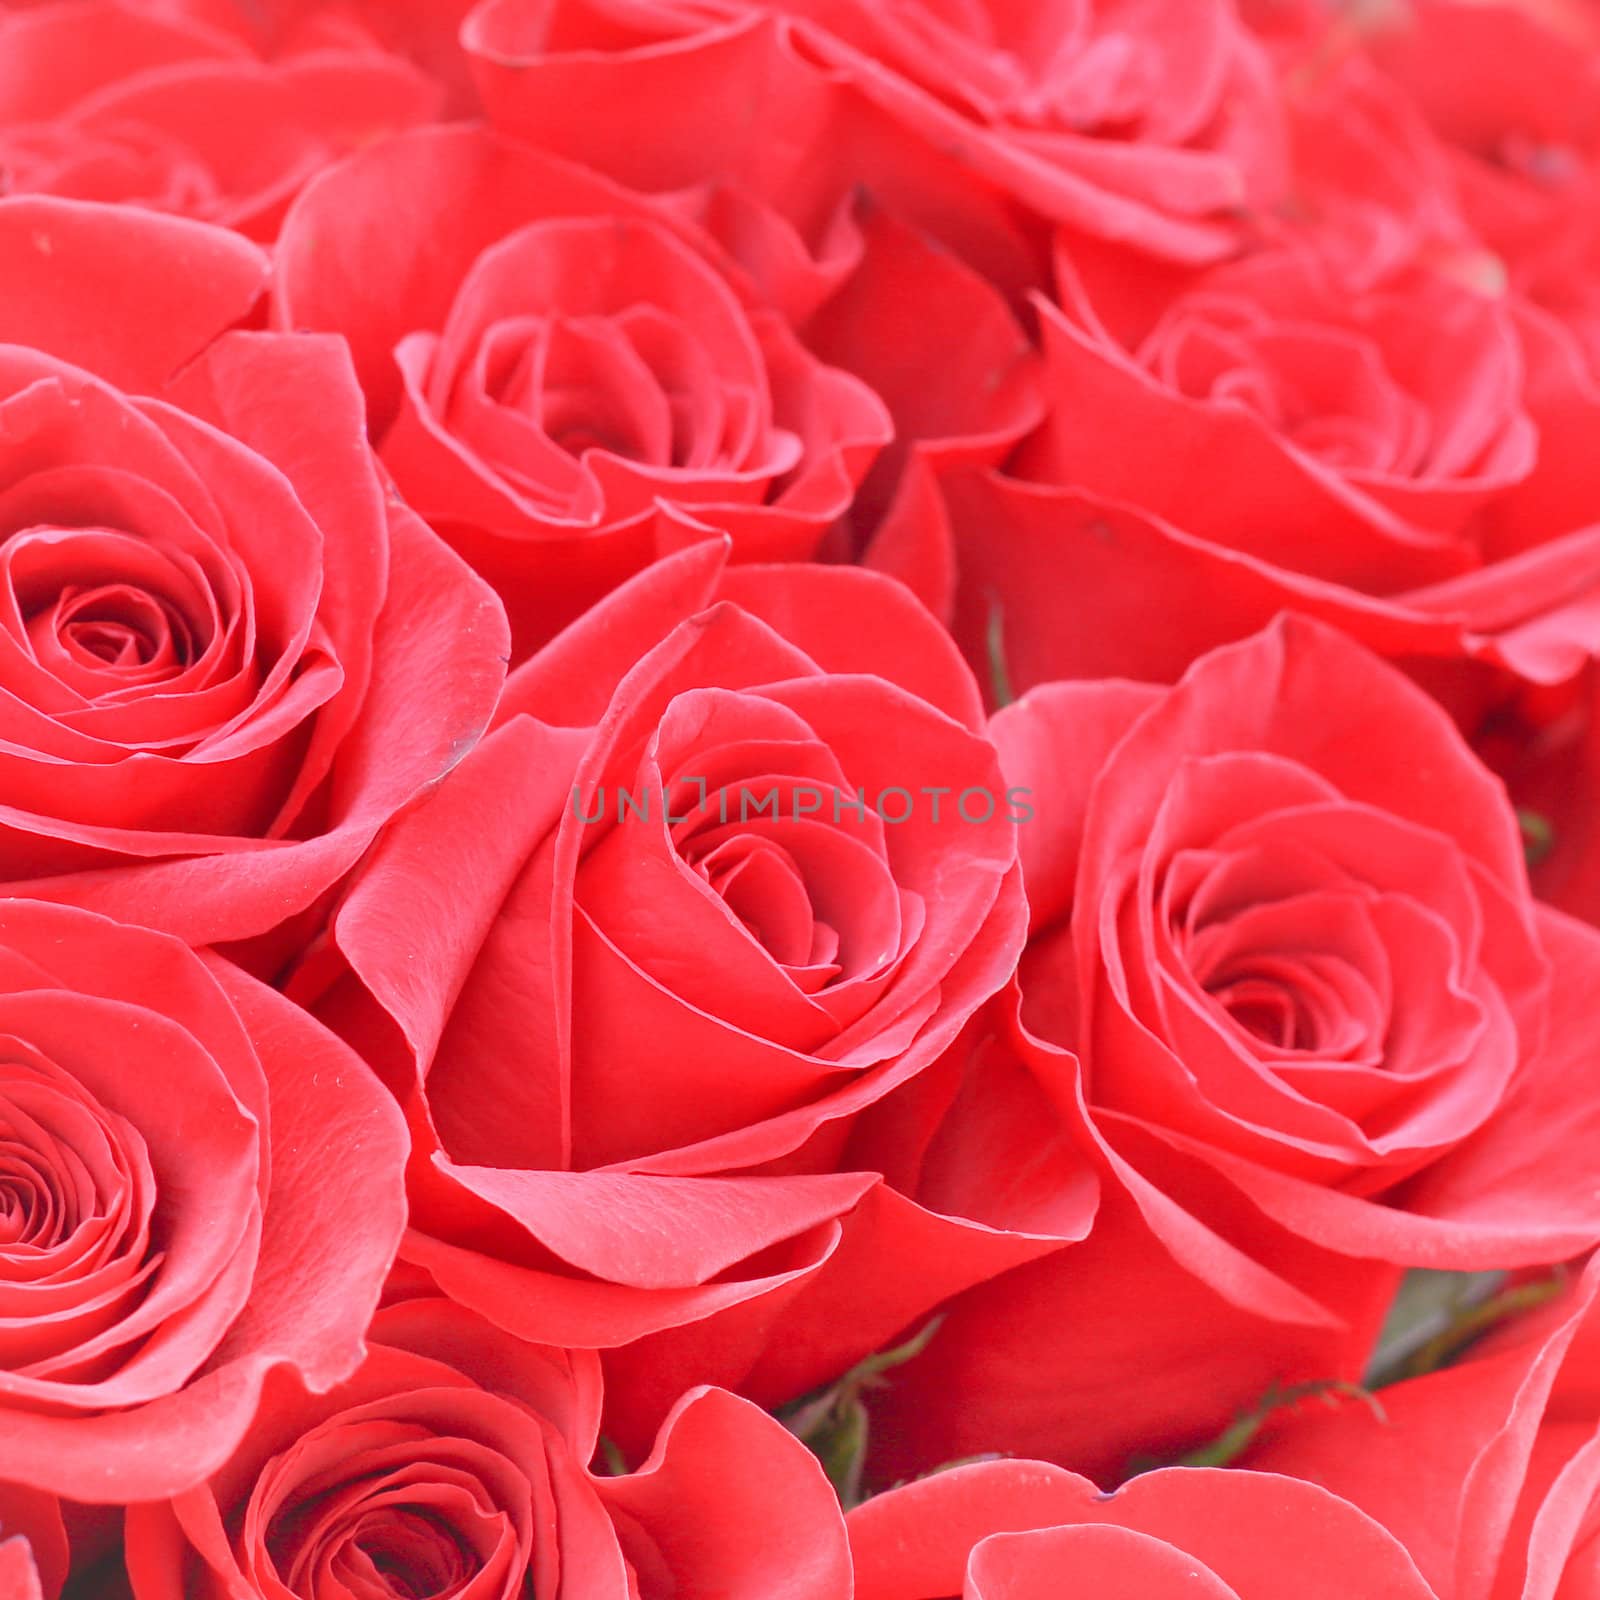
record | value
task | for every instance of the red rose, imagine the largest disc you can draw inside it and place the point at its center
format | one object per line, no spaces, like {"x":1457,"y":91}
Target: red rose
{"x":1488,"y":1472}
{"x":1021,"y":1530}
{"x":1369,"y":186}
{"x":106,"y":100}
{"x":1258,"y":886}
{"x":1287,"y":978}
{"x":1156,"y":125}
{"x":1406,"y":458}
{"x":1307,"y":405}
{"x":455,"y":1461}
{"x":174,"y":1139}
{"x":228,"y":657}
{"x":33,"y":1544}
{"x":873,"y":242}
{"x":1513,"y":93}
{"x":552,"y":362}
{"x":632,"y":1050}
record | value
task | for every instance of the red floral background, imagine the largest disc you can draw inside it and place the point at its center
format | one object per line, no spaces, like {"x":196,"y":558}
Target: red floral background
{"x":798,"y":800}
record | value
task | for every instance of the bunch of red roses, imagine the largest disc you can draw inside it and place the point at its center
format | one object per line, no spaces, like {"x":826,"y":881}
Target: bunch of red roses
{"x":799,"y":799}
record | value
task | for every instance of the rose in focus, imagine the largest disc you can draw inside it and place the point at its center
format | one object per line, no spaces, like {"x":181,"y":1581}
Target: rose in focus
{"x":1287,"y":978}
{"x":456,"y":1461}
{"x":631,"y":1049}
{"x":227,"y":656}
{"x":168,"y":1132}
{"x":565,"y":379}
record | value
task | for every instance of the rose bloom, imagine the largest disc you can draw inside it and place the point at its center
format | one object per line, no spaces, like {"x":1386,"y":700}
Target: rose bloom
{"x":1263,"y":436}
{"x":227,"y":656}
{"x":1155,"y":125}
{"x":33,"y":1544}
{"x":632,"y":1049}
{"x":110,"y":100}
{"x":872,"y":241}
{"x":1369,"y":186}
{"x":1023,"y":1530}
{"x":1315,"y":406}
{"x":174,"y":1138}
{"x":1512,"y":91}
{"x":455,"y":1462}
{"x":1512,"y":94}
{"x":553,"y":362}
{"x":869,"y":241}
{"x":1287,"y":979}
{"x":1489,"y":1471}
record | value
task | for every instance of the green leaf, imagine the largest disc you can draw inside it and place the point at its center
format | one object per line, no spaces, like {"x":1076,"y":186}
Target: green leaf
{"x":1437,"y":1316}
{"x":832,"y":1422}
{"x":842,"y":1450}
{"x":869,"y":1373}
{"x":1234,"y":1440}
{"x":1426,"y":1305}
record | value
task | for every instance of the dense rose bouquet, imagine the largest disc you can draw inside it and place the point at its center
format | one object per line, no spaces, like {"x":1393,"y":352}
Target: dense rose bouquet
{"x":798,"y":799}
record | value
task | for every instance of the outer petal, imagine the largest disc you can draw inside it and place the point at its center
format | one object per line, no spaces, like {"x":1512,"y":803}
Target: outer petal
{"x":253,"y":387}
{"x":896,"y":1260}
{"x":69,"y":271}
{"x":332,"y":1124}
{"x":570,"y":682}
{"x":1052,"y":743}
{"x":1117,"y":1563}
{"x":824,"y":612}
{"x":701,"y":1510}
{"x":1256,"y":1535}
{"x":1014,"y":542}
